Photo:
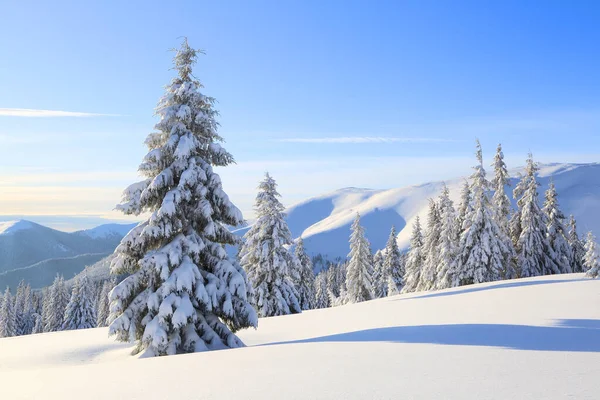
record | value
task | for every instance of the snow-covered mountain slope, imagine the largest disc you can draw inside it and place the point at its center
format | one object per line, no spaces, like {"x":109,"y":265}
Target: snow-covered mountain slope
{"x":524,"y":339}
{"x":42,"y":274}
{"x":25,"y":244}
{"x":324,"y":221}
{"x":107,"y":231}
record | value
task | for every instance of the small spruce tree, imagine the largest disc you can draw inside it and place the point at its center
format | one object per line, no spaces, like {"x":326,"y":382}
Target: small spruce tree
{"x":359,"y":281}
{"x":556,"y":232}
{"x":577,"y":249}
{"x":270,"y":266}
{"x":306,"y":285}
{"x":80,"y":313}
{"x":591,"y":259}
{"x":415,"y":258}
{"x":392,"y":266}
{"x":8,"y":321}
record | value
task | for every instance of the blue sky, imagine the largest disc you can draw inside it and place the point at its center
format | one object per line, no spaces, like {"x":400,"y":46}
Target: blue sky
{"x":323,"y":94}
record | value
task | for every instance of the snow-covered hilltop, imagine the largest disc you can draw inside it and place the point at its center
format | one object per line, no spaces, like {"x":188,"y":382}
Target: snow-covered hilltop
{"x":324,"y":221}
{"x":436,"y":345}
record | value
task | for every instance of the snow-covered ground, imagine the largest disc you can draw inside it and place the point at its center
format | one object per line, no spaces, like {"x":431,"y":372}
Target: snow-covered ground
{"x":524,"y":339}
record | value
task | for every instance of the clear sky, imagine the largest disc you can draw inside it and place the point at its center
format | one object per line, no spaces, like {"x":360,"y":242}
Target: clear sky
{"x":322,"y":94}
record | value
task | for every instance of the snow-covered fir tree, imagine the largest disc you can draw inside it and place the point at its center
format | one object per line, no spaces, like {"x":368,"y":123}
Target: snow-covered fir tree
{"x":8,"y":321}
{"x":38,"y":325}
{"x":80,"y":312}
{"x":591,"y":259}
{"x":483,"y":253}
{"x":183,"y":293}
{"x":577,"y":249}
{"x":393,"y":270}
{"x":502,"y":210}
{"x":102,"y":306}
{"x":24,"y":309}
{"x":533,"y":248}
{"x":557,"y":232}
{"x":414,"y":260}
{"x":306,"y":285}
{"x":430,"y":248}
{"x":272,"y":269}
{"x":321,"y":290}
{"x":465,"y":206}
{"x":379,"y":276}
{"x":447,"y":249}
{"x":55,"y":303}
{"x":359,"y":280}
{"x":500,"y":199}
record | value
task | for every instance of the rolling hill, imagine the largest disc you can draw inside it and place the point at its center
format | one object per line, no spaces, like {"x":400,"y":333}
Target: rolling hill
{"x":534,"y":338}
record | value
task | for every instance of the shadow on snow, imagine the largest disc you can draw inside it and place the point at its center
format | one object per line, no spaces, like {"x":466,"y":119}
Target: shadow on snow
{"x":471,"y":289}
{"x":569,"y":335}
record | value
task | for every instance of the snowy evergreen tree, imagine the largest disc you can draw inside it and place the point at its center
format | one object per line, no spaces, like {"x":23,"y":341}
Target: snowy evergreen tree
{"x":23,"y":310}
{"x":465,"y":206}
{"x":321,"y":290}
{"x":414,"y":261}
{"x":392,"y":266}
{"x":8,"y":321}
{"x":483,"y":252}
{"x":577,"y":249}
{"x":447,"y":249}
{"x":80,"y":313}
{"x":183,"y":293}
{"x":102,"y":306}
{"x":533,"y":249}
{"x":556,"y":231}
{"x":55,"y":303}
{"x":38,"y":326}
{"x":591,"y":259}
{"x":500,"y":200}
{"x":306,"y":285}
{"x":271,"y":268}
{"x":502,"y":210}
{"x":380,"y":281}
{"x":359,"y":279}
{"x":430,"y":248}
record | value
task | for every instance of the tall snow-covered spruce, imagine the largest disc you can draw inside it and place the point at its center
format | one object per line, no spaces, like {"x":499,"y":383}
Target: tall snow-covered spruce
{"x":415,"y":259}
{"x":306,"y":283}
{"x":448,"y":242}
{"x":556,"y":232}
{"x":183,"y":293}
{"x":359,"y":280}
{"x":484,"y":252}
{"x":393,"y":270}
{"x":577,"y":248}
{"x":532,"y":246}
{"x":591,"y":259}
{"x":272,"y":269}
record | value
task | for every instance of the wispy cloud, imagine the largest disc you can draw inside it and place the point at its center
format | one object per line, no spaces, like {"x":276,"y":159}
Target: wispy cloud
{"x":29,"y":113}
{"x":365,"y":139}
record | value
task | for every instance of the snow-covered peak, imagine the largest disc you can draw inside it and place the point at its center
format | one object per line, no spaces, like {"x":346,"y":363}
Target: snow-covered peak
{"x":10,"y":227}
{"x":107,"y":230}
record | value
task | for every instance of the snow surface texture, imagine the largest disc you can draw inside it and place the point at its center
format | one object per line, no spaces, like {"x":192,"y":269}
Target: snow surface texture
{"x":534,"y":338}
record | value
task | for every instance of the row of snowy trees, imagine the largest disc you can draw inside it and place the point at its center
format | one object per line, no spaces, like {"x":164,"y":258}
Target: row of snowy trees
{"x":54,"y":308}
{"x":481,"y":240}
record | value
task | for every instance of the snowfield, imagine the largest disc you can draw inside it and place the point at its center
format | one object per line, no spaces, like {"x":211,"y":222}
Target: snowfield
{"x":536,"y":338}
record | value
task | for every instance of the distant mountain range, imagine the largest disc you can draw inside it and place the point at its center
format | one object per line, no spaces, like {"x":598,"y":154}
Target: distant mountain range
{"x":36,"y":253}
{"x":323,"y":221}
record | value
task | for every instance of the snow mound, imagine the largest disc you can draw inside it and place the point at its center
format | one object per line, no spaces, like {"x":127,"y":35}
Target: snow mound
{"x":534,"y":338}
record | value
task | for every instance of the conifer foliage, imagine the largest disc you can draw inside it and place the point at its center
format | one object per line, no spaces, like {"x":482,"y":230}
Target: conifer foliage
{"x":80,"y":312}
{"x":8,"y":321}
{"x":559,"y":247}
{"x":415,"y":259}
{"x":305,"y":286}
{"x":183,"y":292}
{"x":484,"y":251}
{"x":591,"y":260}
{"x":577,"y":249}
{"x":393,"y":270}
{"x":359,"y":285}
{"x":272,"y":269}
